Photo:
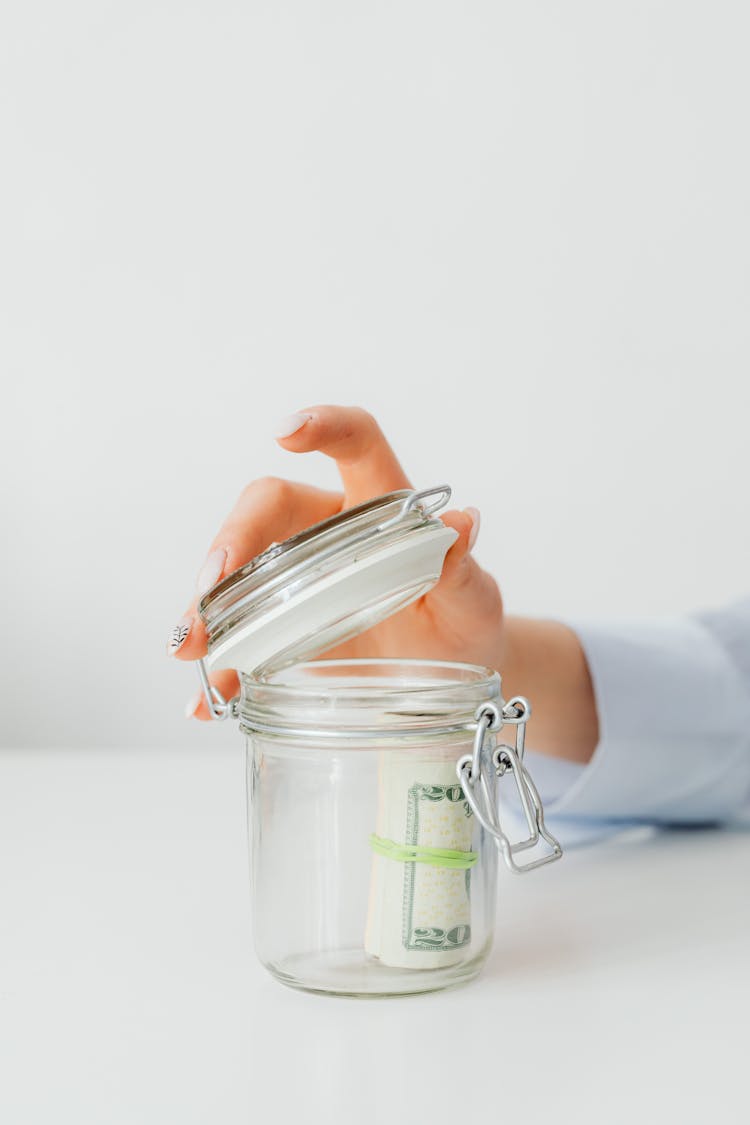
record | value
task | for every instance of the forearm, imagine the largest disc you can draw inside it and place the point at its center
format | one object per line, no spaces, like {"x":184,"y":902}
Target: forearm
{"x":544,"y":661}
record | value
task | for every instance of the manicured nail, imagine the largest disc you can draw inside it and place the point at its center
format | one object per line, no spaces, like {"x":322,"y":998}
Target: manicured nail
{"x":179,"y":635}
{"x":288,"y":426}
{"x":211,"y":571}
{"x":193,"y":705}
{"x":475,"y":521}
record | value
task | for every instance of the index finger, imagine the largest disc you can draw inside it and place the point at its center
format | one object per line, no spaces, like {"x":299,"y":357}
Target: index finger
{"x":353,"y":438}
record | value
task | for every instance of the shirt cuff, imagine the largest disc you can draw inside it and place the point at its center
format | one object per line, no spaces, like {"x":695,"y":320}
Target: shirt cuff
{"x":674,"y":725}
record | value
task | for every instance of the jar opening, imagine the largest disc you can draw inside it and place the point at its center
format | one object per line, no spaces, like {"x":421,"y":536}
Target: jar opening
{"x":372,"y":698}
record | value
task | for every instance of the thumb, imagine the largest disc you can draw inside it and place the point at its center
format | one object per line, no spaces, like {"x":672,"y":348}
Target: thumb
{"x":456,"y":569}
{"x":464,"y":591}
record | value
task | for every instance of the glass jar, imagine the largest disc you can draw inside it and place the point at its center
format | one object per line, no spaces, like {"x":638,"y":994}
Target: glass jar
{"x":371,"y":874}
{"x":371,"y":783}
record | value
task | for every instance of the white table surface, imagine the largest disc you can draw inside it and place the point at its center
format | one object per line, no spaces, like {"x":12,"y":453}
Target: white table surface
{"x":618,"y":989}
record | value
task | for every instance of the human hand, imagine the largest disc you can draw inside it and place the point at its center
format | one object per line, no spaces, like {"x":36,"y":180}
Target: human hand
{"x":461,"y":618}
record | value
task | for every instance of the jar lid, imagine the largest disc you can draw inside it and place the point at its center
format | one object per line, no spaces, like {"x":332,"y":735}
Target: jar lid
{"x":327,"y":584}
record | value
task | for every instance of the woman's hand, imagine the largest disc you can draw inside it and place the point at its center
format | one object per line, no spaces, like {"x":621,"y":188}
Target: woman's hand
{"x":461,"y":618}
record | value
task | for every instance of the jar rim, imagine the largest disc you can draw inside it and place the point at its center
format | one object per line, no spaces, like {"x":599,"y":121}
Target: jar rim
{"x":275,"y":678}
{"x":368,"y":696}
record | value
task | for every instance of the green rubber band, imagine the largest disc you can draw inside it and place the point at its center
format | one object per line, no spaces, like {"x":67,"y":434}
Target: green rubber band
{"x":436,"y":857}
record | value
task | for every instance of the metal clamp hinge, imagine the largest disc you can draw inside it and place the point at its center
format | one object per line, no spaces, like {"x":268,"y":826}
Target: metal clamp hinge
{"x":506,"y":759}
{"x":428,"y":500}
{"x":218,"y":707}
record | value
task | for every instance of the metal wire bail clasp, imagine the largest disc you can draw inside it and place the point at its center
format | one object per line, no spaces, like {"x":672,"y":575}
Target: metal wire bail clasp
{"x":506,"y":759}
{"x":428,"y":500}
{"x":218,"y":707}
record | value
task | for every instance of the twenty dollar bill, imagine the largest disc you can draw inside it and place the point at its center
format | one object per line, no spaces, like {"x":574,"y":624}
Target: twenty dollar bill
{"x":419,"y":913}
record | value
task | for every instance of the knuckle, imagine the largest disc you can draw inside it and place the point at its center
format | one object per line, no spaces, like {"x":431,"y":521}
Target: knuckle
{"x":493,"y":588}
{"x":366,"y":422}
{"x":366,"y":418}
{"x":493,"y":592}
{"x":273,"y":488}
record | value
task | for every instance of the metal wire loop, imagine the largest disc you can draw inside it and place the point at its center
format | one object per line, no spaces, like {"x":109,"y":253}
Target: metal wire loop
{"x":219,"y":708}
{"x":487,"y":717}
{"x":441,"y":493}
{"x":509,"y":759}
{"x":517,"y":710}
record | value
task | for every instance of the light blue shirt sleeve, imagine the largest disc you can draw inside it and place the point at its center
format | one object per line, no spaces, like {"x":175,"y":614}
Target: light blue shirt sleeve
{"x":673,"y":701}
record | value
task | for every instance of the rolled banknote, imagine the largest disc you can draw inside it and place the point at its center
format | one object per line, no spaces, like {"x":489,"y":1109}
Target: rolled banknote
{"x":419,"y":914}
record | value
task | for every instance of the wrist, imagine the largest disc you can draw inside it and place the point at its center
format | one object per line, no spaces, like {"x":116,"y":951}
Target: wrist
{"x":544,"y":660}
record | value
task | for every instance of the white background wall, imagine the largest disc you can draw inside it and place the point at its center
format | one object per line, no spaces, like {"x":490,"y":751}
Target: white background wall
{"x":518,"y":233}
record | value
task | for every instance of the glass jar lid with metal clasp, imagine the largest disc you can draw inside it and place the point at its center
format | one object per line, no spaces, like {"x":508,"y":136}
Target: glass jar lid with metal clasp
{"x":372,"y":783}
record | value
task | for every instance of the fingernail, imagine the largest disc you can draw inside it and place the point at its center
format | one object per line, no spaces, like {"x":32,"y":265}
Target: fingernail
{"x":193,"y":705}
{"x":289,"y":425}
{"x":475,"y":521}
{"x":211,"y":571}
{"x":179,"y":635}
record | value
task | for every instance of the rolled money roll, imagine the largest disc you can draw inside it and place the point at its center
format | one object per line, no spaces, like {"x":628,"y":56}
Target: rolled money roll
{"x":419,"y":914}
